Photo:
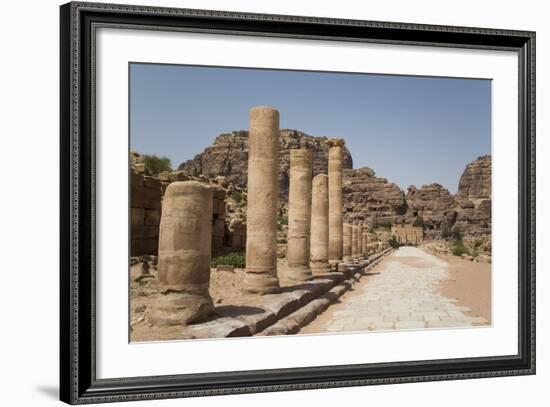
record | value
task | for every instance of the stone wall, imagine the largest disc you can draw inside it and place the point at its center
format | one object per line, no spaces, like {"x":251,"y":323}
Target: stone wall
{"x":145,"y":200}
{"x":405,"y":233}
{"x":145,"y":209}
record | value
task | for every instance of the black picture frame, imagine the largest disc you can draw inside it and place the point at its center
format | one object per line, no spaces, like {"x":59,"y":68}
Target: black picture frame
{"x":78,"y":382}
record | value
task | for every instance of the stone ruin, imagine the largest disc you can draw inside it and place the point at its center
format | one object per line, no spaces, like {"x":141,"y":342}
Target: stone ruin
{"x":407,"y":234}
{"x":191,"y":221}
{"x":326,"y":230}
{"x":147,"y":194}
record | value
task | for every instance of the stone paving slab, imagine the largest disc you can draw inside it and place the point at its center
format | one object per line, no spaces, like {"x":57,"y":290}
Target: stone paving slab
{"x":399,"y":296}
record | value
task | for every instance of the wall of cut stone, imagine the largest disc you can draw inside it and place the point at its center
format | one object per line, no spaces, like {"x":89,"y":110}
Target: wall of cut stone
{"x":145,"y":205}
{"x":145,"y":210}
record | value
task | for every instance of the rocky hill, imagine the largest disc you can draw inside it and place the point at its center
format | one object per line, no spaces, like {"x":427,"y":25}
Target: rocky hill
{"x":367,"y":198}
{"x":228,"y":157}
{"x":474,"y":197}
{"x":370,"y":198}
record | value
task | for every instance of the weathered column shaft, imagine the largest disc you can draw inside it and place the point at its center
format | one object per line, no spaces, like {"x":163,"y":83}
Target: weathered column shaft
{"x":336,"y":203}
{"x":360,"y":240}
{"x":319,"y":225}
{"x":262,"y":203}
{"x":184,"y":255}
{"x":364,"y":249}
{"x":355,"y":241}
{"x":299,"y":215}
{"x":347,"y":242}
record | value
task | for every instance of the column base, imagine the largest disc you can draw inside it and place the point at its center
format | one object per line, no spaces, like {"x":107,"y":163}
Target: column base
{"x":297,"y":274}
{"x":320,"y":268}
{"x":181,"y":308}
{"x":261,"y":283}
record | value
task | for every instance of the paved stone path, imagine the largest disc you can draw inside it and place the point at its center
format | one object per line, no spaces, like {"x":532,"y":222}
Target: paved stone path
{"x":402,"y":293}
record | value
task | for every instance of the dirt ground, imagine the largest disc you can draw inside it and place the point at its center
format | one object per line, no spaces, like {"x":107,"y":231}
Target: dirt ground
{"x":470,"y":284}
{"x":225,"y":290}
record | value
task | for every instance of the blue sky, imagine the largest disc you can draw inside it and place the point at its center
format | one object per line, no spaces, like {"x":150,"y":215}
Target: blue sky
{"x":411,"y":130}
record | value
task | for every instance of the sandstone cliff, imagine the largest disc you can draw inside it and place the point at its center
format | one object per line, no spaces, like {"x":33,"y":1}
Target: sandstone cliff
{"x":371,"y":199}
{"x":474,"y":198}
{"x":431,"y":206}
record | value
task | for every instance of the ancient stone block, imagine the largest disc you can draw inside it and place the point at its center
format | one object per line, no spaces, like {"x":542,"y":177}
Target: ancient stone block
{"x":136,"y":180}
{"x":143,"y":231}
{"x":137,"y":216}
{"x":142,"y":197}
{"x":151,"y":182}
{"x":219,"y":207}
{"x":152,"y":217}
{"x":218,"y":227}
{"x":140,"y":247}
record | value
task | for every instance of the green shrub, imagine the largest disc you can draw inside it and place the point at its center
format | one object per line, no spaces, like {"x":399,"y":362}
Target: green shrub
{"x":459,"y":249}
{"x":236,"y":260}
{"x":456,"y":233}
{"x":477,"y":243}
{"x":155,"y":164}
{"x":237,"y":196}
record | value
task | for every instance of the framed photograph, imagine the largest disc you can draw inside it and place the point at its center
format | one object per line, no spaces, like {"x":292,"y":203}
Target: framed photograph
{"x":255,"y":203}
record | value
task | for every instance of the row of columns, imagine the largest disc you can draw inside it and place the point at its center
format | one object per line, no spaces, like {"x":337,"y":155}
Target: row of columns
{"x":318,"y":240}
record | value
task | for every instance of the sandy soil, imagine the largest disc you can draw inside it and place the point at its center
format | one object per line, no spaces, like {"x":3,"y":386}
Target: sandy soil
{"x":225,"y":290}
{"x":470,"y":284}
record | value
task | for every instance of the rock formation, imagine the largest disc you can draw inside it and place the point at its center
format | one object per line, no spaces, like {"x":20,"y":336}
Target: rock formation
{"x":432,"y":207}
{"x":474,"y":198}
{"x":370,"y":198}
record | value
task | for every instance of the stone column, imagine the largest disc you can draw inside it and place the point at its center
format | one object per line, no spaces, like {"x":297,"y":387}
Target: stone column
{"x":346,"y":243}
{"x":184,"y":255}
{"x":365,"y":249}
{"x":360,"y":241}
{"x":335,"y":200}
{"x":263,"y":198}
{"x":299,"y":216}
{"x":319,"y":225}
{"x":355,"y":242}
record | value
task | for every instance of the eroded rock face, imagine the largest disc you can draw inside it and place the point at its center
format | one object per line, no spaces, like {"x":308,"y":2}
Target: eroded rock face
{"x":370,"y":198}
{"x":474,"y":198}
{"x":433,"y":207}
{"x":475,"y":182}
{"x":228,"y":157}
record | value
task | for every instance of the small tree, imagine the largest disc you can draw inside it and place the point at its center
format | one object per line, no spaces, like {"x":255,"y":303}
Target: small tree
{"x":155,"y":164}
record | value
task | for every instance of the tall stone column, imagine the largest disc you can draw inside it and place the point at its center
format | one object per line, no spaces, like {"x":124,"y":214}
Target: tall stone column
{"x":355,"y":241}
{"x":335,"y":200}
{"x":360,"y":240}
{"x":263,"y":198}
{"x":347,"y":241}
{"x":184,"y":255}
{"x":365,"y":249}
{"x":319,"y":226}
{"x":299,"y":215}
